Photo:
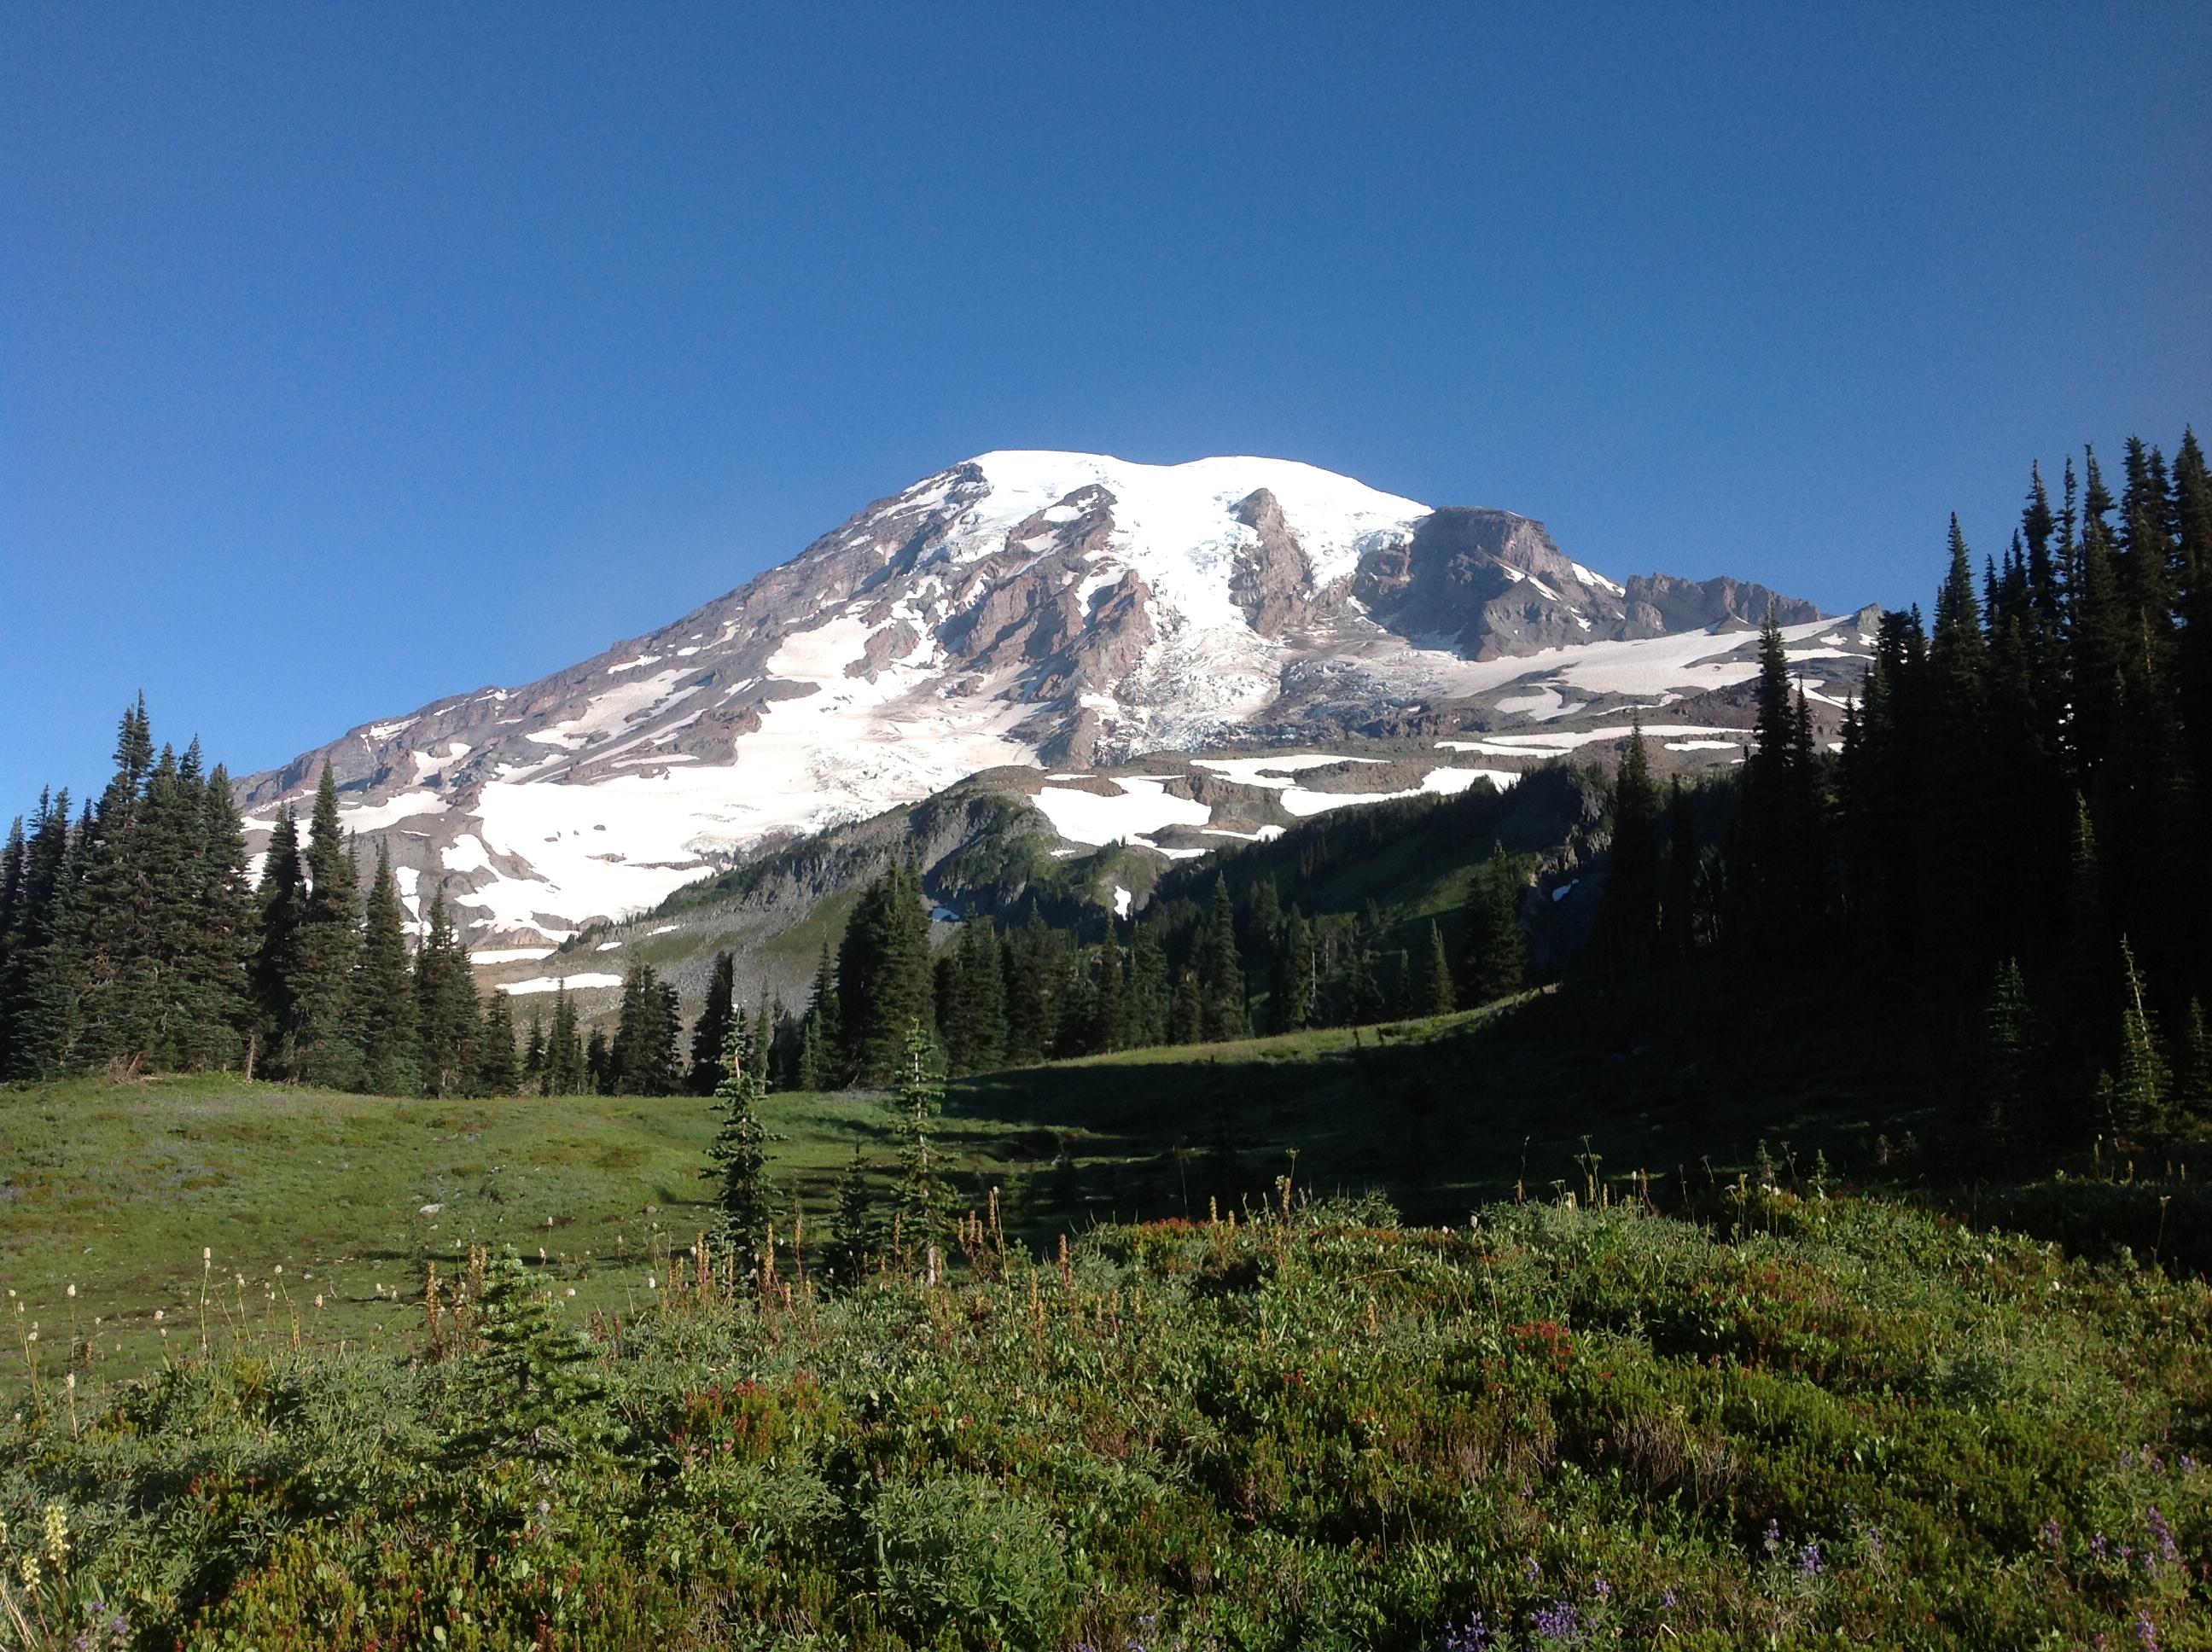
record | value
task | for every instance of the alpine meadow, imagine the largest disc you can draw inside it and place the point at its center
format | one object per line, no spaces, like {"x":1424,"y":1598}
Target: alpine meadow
{"x":1705,"y":1165}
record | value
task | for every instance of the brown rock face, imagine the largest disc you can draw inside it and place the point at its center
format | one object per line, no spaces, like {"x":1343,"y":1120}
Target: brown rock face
{"x":1272,"y":582}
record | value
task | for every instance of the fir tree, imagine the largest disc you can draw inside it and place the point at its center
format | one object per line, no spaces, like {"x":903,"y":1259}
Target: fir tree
{"x":1293,"y":987}
{"x":498,"y":1072}
{"x":1029,"y":960}
{"x":533,"y":1391}
{"x":642,"y":1060}
{"x":41,"y":1005}
{"x":1494,"y":963}
{"x":1628,"y":913}
{"x":2140,"y":1090}
{"x":564,"y":1071}
{"x":2007,"y":1059}
{"x":598,"y":1064}
{"x":2192,"y":1091}
{"x":1678,"y":901}
{"x":1149,"y":992}
{"x":280,"y":902}
{"x":885,"y":973}
{"x":853,"y":1250}
{"x":1363,"y":998}
{"x":745,"y":1194}
{"x":1108,"y":1002}
{"x":710,"y":1034}
{"x":1225,"y":1016}
{"x":1187,"y":1010}
{"x":923,"y":1200}
{"x":327,"y":944}
{"x":1436,"y":994}
{"x":534,"y":1056}
{"x":975,"y":1010}
{"x":224,"y":919}
{"x":382,"y":1002}
{"x":446,"y":1012}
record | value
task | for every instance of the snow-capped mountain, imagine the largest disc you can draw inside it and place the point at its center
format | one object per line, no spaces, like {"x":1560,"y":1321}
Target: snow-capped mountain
{"x":1067,"y":609}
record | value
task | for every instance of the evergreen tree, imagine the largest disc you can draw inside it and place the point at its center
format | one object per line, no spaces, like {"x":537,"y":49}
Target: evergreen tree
{"x":15,"y":866}
{"x":974,"y":1019}
{"x":1108,"y":1002}
{"x":1149,"y":992}
{"x":1223,"y":1016}
{"x":531,"y":1392}
{"x":1628,"y":913}
{"x":923,"y":1200}
{"x":1436,"y":993}
{"x":498,"y":1072}
{"x":1678,"y":901}
{"x":1404,"y":998}
{"x":1187,"y":1010}
{"x":710,"y":1034}
{"x":1495,"y":961}
{"x":224,"y":924}
{"x":533,"y":1057}
{"x":853,"y":1251}
{"x":745,"y":1194}
{"x":885,"y":973}
{"x":382,"y":1001}
{"x":564,"y":1071}
{"x":2192,"y":1091}
{"x":280,"y":902}
{"x":1293,"y":987}
{"x":598,"y":1064}
{"x":445,"y":1013}
{"x":2139,"y":1091}
{"x":1363,"y":998}
{"x":642,"y":1060}
{"x":2007,"y":1060}
{"x":1029,"y":962}
{"x":326,"y":948}
{"x":41,"y":1005}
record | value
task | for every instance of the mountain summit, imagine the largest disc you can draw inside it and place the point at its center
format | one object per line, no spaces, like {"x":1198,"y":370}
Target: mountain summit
{"x":1021,"y":608}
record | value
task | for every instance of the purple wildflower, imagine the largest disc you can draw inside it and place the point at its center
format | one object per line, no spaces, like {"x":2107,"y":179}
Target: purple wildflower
{"x":1667,"y":1598}
{"x":2164,"y":1533}
{"x":1472,"y":1636}
{"x":2054,"y":1535}
{"x":2097,"y":1545}
{"x":1774,"y":1537}
{"x":1605,"y":1589}
{"x":2188,"y":1464}
{"x":1808,"y":1560}
{"x":2146,"y":1631}
{"x":1557,"y":1624}
{"x":1533,"y":1568}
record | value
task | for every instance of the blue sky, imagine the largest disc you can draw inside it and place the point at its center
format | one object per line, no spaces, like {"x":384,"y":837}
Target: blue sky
{"x":354,"y":355}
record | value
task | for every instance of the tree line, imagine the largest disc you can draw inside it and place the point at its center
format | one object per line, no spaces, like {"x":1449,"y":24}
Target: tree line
{"x":131,"y":938}
{"x":2012,"y":848}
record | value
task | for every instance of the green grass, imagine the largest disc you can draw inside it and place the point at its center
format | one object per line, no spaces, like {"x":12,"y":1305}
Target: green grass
{"x":119,"y":1189}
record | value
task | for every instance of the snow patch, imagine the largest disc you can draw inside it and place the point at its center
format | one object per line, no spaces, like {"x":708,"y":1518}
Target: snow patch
{"x":1144,"y":806}
{"x":549,"y":983}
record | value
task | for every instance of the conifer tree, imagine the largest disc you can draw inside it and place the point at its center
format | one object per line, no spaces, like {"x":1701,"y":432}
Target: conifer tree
{"x":1363,"y":998}
{"x":2007,"y":1060}
{"x":642,"y":1059}
{"x":2140,"y":1088}
{"x":1628,"y":913}
{"x":531,"y":1392}
{"x":1404,"y":998}
{"x":326,"y":948}
{"x":1495,"y":961}
{"x":563,"y":1072}
{"x":710,"y":1034}
{"x":1437,"y":997}
{"x":498,"y":1071}
{"x":41,"y":1004}
{"x":224,"y":921}
{"x":853,"y":1250}
{"x":445,"y":1013}
{"x":745,"y":1194}
{"x":2192,"y":1091}
{"x":280,"y":902}
{"x":886,"y":976}
{"x":15,"y":864}
{"x":1678,"y":900}
{"x":598,"y":1064}
{"x":1187,"y":1010}
{"x":382,"y":1002}
{"x":1293,"y":987}
{"x":1224,"y":1015}
{"x":974,"y":1019}
{"x":1149,"y":992}
{"x":1108,"y":1002}
{"x":923,"y":1200}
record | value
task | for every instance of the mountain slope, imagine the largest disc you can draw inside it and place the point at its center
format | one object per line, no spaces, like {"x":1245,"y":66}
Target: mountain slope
{"x":1018,"y":609}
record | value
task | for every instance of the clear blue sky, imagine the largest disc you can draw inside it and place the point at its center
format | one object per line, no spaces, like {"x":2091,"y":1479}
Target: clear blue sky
{"x":350,"y":356}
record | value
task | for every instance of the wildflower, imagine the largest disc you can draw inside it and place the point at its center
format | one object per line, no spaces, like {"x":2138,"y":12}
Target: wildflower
{"x":2097,"y":1545}
{"x":1604,"y":1589}
{"x":1808,"y":1560}
{"x":1472,"y":1636}
{"x":2146,"y":1631}
{"x":1667,"y":1598}
{"x":57,"y":1536}
{"x":1558,"y":1623}
{"x":1774,"y":1537}
{"x":1533,"y":1568}
{"x":2053,"y":1534}
{"x":2188,"y":1464}
{"x":2164,"y":1533}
